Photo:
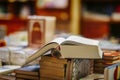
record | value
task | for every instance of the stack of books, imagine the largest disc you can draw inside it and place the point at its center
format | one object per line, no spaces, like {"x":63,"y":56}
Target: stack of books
{"x":28,"y":72}
{"x":52,"y":68}
{"x":109,"y":58}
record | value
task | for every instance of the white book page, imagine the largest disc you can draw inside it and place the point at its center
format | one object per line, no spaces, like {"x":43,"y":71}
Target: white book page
{"x":8,"y":68}
{"x":82,"y":40}
{"x":58,"y":40}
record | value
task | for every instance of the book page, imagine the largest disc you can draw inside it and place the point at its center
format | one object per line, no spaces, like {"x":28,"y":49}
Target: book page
{"x":8,"y":68}
{"x":41,"y":52}
{"x":58,"y":40}
{"x":82,"y":40}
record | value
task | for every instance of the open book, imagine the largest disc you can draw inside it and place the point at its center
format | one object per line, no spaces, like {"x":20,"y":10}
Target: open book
{"x":70,"y":47}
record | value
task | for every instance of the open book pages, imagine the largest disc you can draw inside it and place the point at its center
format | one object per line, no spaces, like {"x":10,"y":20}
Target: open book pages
{"x":84,"y":47}
{"x":71,"y":47}
{"x":76,"y":40}
{"x":8,"y":68}
{"x":41,"y":52}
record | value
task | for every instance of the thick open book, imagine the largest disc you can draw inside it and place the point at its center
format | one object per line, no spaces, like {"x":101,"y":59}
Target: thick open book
{"x":70,"y":47}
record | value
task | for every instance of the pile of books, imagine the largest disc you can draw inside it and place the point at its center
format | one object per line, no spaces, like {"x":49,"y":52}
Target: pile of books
{"x":30,"y":72}
{"x":109,"y":58}
{"x":52,"y":68}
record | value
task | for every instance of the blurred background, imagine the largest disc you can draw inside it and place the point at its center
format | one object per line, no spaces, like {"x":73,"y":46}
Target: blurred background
{"x":89,"y":18}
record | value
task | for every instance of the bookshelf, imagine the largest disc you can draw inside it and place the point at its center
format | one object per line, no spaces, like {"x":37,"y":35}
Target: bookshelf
{"x":100,"y":18}
{"x":14,"y":13}
{"x":60,"y":9}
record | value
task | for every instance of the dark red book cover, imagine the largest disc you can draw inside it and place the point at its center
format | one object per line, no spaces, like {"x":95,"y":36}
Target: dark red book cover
{"x":36,"y":32}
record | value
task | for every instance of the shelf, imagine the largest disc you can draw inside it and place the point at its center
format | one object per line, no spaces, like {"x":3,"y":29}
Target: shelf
{"x":100,"y":18}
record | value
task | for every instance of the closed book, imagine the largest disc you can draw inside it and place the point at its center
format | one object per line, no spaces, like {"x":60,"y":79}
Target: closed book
{"x":52,"y":68}
{"x":107,"y":61}
{"x":6,"y":77}
{"x":51,"y":78}
{"x":25,"y":77}
{"x":29,"y":70}
{"x":53,"y":59}
{"x":112,"y":72}
{"x":111,"y":55}
{"x":111,"y":62}
{"x":58,"y":72}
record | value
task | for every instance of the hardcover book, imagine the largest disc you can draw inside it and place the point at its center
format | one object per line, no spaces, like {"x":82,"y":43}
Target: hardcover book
{"x":40,"y":30}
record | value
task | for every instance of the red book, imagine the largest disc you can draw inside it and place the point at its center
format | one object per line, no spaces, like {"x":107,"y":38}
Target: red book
{"x":111,"y":55}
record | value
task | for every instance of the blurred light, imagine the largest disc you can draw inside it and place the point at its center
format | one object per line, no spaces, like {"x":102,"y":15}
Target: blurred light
{"x":11,"y":1}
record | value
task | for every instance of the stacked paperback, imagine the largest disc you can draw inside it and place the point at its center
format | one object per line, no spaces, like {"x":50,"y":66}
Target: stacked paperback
{"x":109,"y":58}
{"x":52,"y":68}
{"x":30,"y":72}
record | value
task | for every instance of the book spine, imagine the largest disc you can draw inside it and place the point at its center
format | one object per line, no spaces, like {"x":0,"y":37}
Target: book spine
{"x":27,"y":73}
{"x":21,"y":76}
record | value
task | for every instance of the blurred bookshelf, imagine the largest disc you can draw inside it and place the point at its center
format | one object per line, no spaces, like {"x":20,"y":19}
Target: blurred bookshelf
{"x":14,"y":13}
{"x":60,"y":9}
{"x":100,"y":18}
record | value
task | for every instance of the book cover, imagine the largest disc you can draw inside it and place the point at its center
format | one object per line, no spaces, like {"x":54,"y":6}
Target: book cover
{"x":112,"y":72}
{"x":32,"y":70}
{"x":36,"y":32}
{"x":41,"y":30}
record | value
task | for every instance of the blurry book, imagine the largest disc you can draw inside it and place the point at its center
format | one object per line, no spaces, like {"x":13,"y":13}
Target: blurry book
{"x":52,"y":4}
{"x":8,"y":68}
{"x":112,"y":72}
{"x":6,"y":77}
{"x":94,"y":76}
{"x":26,"y":77}
{"x":108,"y":45}
{"x":111,"y":56}
{"x":41,"y":30}
{"x":95,"y":16}
{"x":52,"y":68}
{"x":32,"y":70}
{"x":64,"y":69}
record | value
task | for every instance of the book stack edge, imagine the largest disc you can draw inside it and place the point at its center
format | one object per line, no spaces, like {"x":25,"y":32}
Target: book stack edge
{"x":52,"y":68}
{"x":28,"y":72}
{"x":109,"y":58}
